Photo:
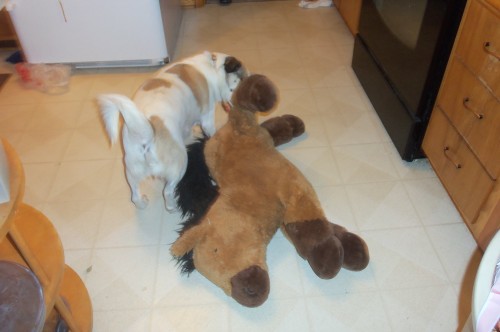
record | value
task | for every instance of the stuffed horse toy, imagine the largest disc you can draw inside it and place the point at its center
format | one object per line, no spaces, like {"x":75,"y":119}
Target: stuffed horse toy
{"x":257,"y":191}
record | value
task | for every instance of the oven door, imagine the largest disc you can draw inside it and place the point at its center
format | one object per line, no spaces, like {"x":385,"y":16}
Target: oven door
{"x":402,"y":37}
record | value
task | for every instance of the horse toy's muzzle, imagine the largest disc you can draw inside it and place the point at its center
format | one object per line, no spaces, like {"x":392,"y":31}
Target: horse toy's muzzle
{"x":250,"y":287}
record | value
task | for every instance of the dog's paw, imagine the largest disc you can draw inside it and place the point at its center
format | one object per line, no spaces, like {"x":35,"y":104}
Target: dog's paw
{"x":171,"y":208}
{"x":141,"y":203}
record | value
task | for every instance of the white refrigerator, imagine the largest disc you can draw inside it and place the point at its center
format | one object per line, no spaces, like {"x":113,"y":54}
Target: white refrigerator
{"x":97,"y":33}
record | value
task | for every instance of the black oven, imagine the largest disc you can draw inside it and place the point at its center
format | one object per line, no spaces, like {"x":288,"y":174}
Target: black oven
{"x":400,"y":54}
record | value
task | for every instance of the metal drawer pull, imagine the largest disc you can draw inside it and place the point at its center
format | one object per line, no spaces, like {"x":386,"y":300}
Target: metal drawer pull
{"x":488,"y":49}
{"x":466,"y":103}
{"x":447,"y":155}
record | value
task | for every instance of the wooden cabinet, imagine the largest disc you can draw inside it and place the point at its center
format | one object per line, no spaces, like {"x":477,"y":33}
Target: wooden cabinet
{"x":28,"y":238}
{"x":8,"y":36}
{"x":350,"y":10}
{"x":458,"y":168}
{"x":462,"y":141}
{"x":475,"y":112}
{"x":6,"y":30}
{"x":192,"y":3}
{"x":479,"y":47}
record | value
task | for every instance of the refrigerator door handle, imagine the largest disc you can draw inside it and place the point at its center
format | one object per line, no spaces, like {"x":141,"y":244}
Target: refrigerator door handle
{"x":62,"y":11}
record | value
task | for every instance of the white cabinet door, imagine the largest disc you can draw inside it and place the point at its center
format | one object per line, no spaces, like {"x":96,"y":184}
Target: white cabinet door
{"x":74,"y":31}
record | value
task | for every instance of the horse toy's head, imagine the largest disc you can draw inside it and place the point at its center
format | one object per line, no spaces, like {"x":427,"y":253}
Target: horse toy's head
{"x":230,"y":256}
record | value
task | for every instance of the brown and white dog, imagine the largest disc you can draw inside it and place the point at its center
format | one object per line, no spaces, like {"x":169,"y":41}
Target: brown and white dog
{"x":158,"y":122}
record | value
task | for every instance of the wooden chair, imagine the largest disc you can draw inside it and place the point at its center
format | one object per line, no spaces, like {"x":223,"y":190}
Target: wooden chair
{"x":29,"y":238}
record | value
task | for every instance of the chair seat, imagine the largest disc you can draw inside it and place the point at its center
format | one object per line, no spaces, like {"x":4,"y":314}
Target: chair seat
{"x":22,"y":305}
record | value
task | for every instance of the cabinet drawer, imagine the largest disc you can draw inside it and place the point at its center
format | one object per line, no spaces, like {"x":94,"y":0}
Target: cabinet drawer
{"x":462,"y":175}
{"x":475,"y":112}
{"x":479,"y":45}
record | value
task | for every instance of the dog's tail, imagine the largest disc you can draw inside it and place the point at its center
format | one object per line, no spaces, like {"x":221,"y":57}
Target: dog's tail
{"x":112,"y":105}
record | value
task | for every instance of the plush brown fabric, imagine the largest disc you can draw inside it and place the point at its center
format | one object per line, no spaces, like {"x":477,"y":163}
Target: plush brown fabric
{"x":250,"y":287}
{"x":284,"y":128}
{"x":316,"y":243}
{"x":356,"y":256}
{"x":259,"y":192}
{"x":253,"y":95}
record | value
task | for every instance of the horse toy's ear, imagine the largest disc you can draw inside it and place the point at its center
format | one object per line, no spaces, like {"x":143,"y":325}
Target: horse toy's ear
{"x":284,"y":128}
{"x":188,"y":240}
{"x":256,"y":93}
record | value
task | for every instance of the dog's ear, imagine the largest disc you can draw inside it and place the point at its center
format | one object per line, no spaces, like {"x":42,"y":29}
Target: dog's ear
{"x":234,"y":66}
{"x":256,"y":93}
{"x":231,"y":64}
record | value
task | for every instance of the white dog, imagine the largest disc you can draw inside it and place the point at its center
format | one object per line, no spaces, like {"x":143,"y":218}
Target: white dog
{"x":158,"y":122}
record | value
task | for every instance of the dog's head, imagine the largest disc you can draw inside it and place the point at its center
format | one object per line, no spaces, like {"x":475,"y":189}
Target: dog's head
{"x":230,"y":71}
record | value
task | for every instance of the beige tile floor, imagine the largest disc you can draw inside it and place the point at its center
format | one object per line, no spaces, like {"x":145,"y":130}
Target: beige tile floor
{"x":423,"y":258}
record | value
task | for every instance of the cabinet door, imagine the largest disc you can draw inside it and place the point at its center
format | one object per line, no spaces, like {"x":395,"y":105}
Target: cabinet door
{"x":350,"y":10}
{"x":479,"y":45}
{"x":475,"y":112}
{"x":6,"y":32}
{"x":88,"y":31}
{"x":461,"y":173}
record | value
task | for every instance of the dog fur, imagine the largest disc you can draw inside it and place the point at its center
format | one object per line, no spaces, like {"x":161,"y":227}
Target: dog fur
{"x":158,"y":121}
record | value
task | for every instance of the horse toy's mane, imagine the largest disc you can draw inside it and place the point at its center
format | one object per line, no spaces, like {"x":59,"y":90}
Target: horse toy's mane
{"x":195,"y":193}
